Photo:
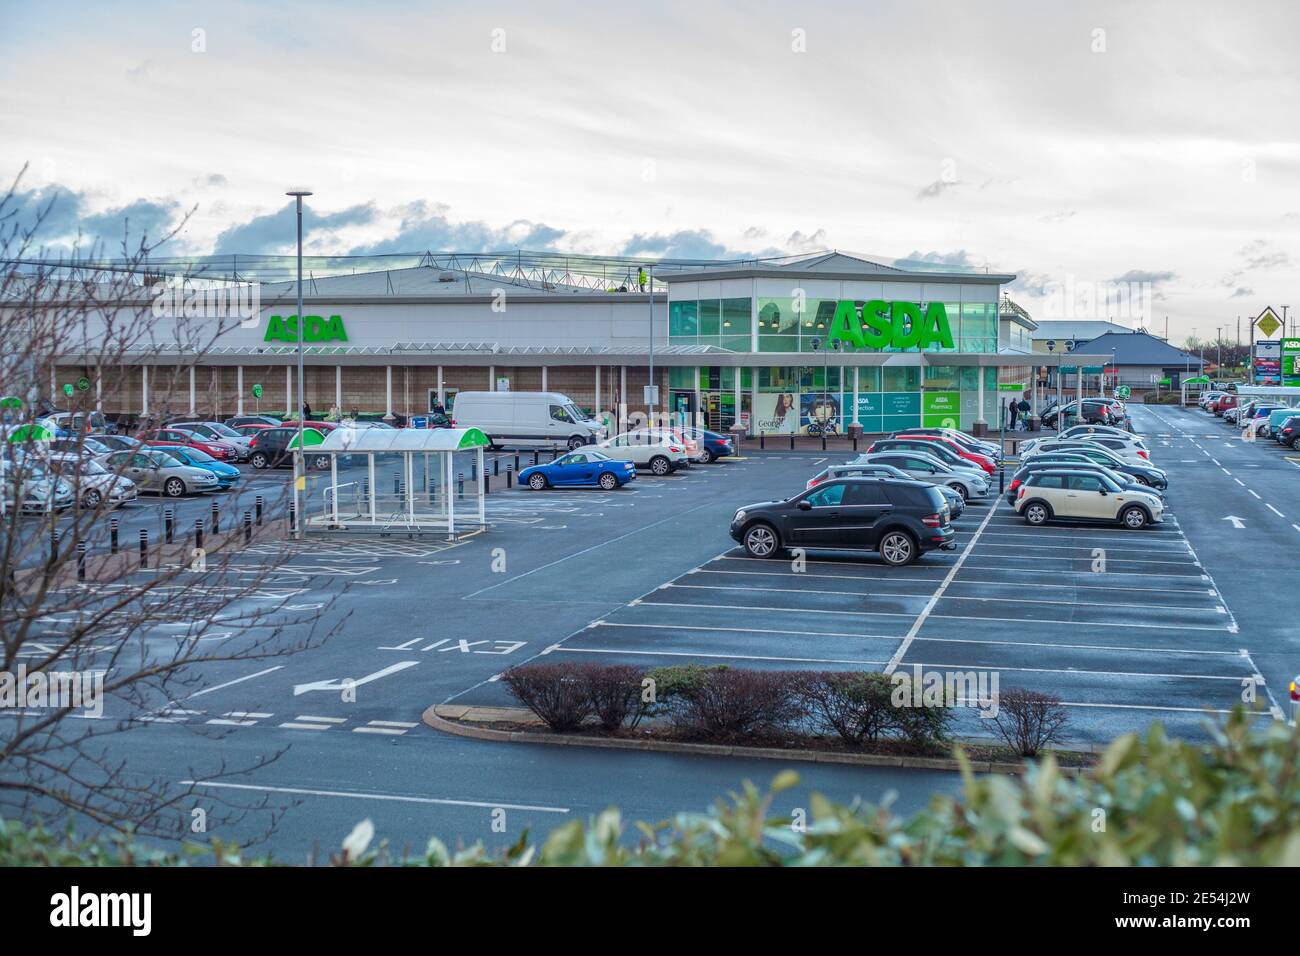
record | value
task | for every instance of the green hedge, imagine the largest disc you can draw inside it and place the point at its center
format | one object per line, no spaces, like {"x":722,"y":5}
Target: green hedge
{"x":1150,"y":802}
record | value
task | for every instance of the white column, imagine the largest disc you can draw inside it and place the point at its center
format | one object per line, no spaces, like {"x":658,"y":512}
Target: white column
{"x":450,"y":488}
{"x":544,"y":378}
{"x":334,"y":482}
{"x":979,"y":417}
{"x":239,"y":387}
{"x":482,"y":479}
{"x":338,"y":388}
{"x":388,"y":391}
{"x":442,"y":392}
{"x":288,"y":389}
{"x":492,"y":378}
{"x":599,"y":404}
{"x":700,"y":421}
{"x":856,"y":372}
{"x":410,"y":486}
{"x":370,"y":462}
{"x":99,"y":389}
{"x":144,"y":380}
{"x":192,"y":411}
{"x":739,"y":392}
{"x":622,"y":394}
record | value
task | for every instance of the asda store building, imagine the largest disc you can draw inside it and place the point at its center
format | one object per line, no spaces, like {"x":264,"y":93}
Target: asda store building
{"x":791,"y":345}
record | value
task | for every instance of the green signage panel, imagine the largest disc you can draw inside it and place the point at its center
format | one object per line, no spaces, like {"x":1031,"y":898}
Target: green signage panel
{"x":879,"y":324}
{"x":1087,"y":369}
{"x":1123,"y":391}
{"x":1291,"y":362}
{"x":257,"y":391}
{"x":941,"y":409}
{"x":1011,"y":386}
{"x":315,"y":328}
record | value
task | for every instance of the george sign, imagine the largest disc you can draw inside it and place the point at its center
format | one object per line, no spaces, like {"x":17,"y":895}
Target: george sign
{"x":1268,"y":322}
{"x":315,"y":329}
{"x":83,"y":384}
{"x":257,"y":391}
{"x":1123,"y":391}
{"x":882,"y":324}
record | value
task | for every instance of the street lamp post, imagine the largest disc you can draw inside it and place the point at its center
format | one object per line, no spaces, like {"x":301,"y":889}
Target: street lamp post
{"x":299,"y":458}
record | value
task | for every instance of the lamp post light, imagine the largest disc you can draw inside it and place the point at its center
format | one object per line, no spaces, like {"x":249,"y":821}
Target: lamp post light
{"x":299,"y":458}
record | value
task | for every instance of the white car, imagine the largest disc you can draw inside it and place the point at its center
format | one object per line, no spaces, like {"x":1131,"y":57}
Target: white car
{"x":662,"y":455}
{"x":91,"y":482}
{"x":1132,"y":450}
{"x":36,"y":489}
{"x":667,"y":434}
{"x":931,"y":470}
{"x":1078,"y":495}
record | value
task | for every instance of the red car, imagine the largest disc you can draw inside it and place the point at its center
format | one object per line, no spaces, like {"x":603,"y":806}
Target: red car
{"x":1222,"y":404}
{"x":972,"y":456}
{"x":179,"y":436}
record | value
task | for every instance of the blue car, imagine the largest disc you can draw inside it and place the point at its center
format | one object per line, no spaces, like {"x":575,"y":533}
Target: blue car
{"x":227,"y":475}
{"x":580,"y":468}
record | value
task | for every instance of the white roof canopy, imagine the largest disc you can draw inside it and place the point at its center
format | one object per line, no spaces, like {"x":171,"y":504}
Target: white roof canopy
{"x":367,"y":440}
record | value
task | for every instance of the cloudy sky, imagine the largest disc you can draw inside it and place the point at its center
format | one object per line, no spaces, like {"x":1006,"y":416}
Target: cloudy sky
{"x":1085,"y":142}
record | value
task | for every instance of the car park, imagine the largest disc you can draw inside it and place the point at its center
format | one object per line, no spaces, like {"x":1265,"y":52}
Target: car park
{"x":662,"y":455}
{"x":217,"y":432}
{"x":584,"y":467}
{"x":899,"y":519}
{"x":920,"y":446}
{"x":91,"y":482}
{"x":929,"y":469}
{"x":163,"y":437}
{"x":155,"y":470}
{"x":1081,"y":464}
{"x":1078,"y":495}
{"x":227,"y":475}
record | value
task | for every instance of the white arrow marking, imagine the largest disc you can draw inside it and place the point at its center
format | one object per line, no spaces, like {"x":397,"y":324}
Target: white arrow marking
{"x":340,"y":685}
{"x":1236,"y":522}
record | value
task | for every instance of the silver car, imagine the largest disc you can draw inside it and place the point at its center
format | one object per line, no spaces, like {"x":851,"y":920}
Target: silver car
{"x":154,"y":471}
{"x":922,"y":467}
{"x":36,"y":490}
{"x":91,"y":482}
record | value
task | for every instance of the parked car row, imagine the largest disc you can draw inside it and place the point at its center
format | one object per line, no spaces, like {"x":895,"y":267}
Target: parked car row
{"x":612,"y":463}
{"x":1256,"y":417}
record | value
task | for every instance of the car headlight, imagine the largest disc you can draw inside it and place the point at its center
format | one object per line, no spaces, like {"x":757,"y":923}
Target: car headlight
{"x":740,"y":516}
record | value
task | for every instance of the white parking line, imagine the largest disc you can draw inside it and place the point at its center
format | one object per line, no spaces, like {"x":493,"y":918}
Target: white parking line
{"x":934,"y":598}
{"x":365,"y":795}
{"x":1274,"y":510}
{"x":229,"y":683}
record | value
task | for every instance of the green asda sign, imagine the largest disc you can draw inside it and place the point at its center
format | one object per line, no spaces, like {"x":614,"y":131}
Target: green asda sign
{"x":898,"y":324}
{"x":315,"y":328}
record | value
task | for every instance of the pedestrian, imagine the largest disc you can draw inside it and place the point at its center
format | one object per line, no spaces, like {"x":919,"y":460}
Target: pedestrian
{"x":306,"y":411}
{"x":1012,"y":410}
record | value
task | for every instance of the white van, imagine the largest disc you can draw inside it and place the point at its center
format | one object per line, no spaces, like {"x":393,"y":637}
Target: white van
{"x":527,"y":419}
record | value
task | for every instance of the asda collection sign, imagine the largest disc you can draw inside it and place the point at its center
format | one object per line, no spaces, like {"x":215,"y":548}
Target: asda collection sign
{"x":315,"y":328}
{"x":884,"y":324}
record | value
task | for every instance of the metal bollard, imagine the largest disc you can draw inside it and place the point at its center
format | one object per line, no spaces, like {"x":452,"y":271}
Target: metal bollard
{"x":855,"y":443}
{"x":144,"y":548}
{"x":792,"y":441}
{"x":216,"y":518}
{"x":397,"y":485}
{"x":516,"y":461}
{"x":198,"y":533}
{"x":823,"y":441}
{"x":535,"y":458}
{"x":554,"y":454}
{"x":258,"y":507}
{"x":248,"y":527}
{"x":496,"y":466}
{"x":81,"y":560}
{"x":54,"y":544}
{"x":510,"y":477}
{"x":169,"y":525}
{"x":473,"y":471}
{"x":112,"y":534}
{"x":293,"y":518}
{"x":460,"y":484}
{"x":760,"y":441}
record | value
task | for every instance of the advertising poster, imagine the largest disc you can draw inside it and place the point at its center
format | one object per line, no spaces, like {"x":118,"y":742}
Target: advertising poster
{"x":901,"y":410}
{"x":941,"y":409}
{"x":819,"y":413}
{"x":1268,"y":362}
{"x":777,"y":412}
{"x":1291,"y":362}
{"x":871,"y":409}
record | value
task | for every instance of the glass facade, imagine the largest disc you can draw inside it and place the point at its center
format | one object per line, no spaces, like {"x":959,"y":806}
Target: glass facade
{"x":723,"y":323}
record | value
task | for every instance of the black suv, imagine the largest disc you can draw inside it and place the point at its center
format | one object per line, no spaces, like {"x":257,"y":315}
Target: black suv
{"x":899,"y":518}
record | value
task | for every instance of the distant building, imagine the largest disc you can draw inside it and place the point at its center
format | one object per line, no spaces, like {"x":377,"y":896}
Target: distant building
{"x":1061,"y":331}
{"x":1143,"y":359}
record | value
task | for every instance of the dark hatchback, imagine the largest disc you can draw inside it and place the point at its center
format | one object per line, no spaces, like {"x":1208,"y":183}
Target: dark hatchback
{"x":900,"y":519}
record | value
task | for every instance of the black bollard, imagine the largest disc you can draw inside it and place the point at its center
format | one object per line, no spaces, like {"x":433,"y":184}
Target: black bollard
{"x":496,"y":466}
{"x":81,"y":560}
{"x":516,"y":461}
{"x":460,"y":484}
{"x":198,"y":533}
{"x":112,"y":534}
{"x":397,"y":485}
{"x":510,"y":476}
{"x":535,"y":458}
{"x":169,"y":525}
{"x":760,"y":441}
{"x":54,"y":544}
{"x":293,"y":524}
{"x":258,"y":508}
{"x":248,"y":527}
{"x":144,"y":548}
{"x":216,"y":518}
{"x":792,"y":441}
{"x":473,"y":471}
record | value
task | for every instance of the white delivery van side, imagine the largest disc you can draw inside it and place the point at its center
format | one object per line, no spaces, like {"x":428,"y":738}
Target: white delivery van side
{"x":527,"y":419}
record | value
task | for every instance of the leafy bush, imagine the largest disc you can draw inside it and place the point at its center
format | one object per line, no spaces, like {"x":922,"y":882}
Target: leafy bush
{"x":671,"y":682}
{"x":1029,"y":720}
{"x":551,"y":691}
{"x":733,"y":703}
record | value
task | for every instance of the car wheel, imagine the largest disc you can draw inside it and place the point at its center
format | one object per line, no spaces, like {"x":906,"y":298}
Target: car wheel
{"x":1295,"y":443}
{"x":576,"y":441}
{"x":761,"y":541}
{"x":659,"y":465}
{"x":1141,"y":481}
{"x":537,"y":481}
{"x":259,"y":460}
{"x":961,"y":490}
{"x":897,"y":548}
{"x":91,"y":499}
{"x":174,"y":487}
{"x":1134,"y":518}
{"x":322,"y":463}
{"x":1036,"y":513}
{"x":706,"y":456}
{"x":608,"y":481}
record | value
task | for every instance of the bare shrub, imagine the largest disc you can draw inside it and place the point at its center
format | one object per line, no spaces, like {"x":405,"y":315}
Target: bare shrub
{"x":613,"y":694}
{"x":855,"y":705}
{"x":734,"y":703}
{"x":1029,"y":720}
{"x":554,"y":692}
